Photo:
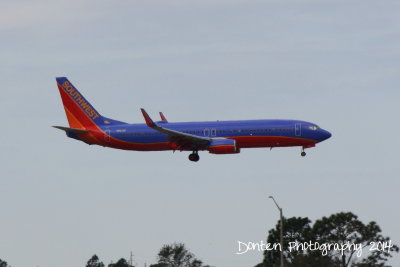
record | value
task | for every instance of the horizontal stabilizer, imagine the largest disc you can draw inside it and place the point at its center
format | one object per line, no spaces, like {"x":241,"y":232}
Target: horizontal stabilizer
{"x":71,"y":130}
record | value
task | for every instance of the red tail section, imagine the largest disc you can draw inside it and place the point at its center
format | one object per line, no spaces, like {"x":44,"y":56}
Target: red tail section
{"x":80,"y":113}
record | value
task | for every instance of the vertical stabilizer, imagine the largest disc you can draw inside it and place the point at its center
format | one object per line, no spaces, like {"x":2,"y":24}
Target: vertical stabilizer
{"x":80,"y":113}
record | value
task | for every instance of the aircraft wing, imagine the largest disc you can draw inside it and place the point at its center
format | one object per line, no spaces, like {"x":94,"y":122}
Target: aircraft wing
{"x":182,"y":140}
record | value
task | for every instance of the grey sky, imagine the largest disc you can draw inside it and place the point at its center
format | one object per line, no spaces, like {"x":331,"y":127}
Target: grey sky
{"x":335,"y":63}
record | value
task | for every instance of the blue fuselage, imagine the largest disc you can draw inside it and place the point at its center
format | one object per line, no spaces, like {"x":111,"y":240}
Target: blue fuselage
{"x":247,"y":133}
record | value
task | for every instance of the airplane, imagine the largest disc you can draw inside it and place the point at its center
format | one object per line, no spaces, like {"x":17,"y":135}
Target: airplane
{"x":216,"y":137}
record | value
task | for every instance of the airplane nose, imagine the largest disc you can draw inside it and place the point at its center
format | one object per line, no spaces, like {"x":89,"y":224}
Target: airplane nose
{"x":325,"y":135}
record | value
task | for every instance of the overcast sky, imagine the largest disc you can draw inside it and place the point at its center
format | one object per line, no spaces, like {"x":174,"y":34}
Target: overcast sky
{"x":334,"y":63}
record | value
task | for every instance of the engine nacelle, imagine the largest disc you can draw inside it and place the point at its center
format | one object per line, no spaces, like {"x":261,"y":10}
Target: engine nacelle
{"x":223,"y":146}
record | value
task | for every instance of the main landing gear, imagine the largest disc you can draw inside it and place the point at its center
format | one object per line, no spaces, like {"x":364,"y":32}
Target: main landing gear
{"x":194,"y":156}
{"x":303,"y":153}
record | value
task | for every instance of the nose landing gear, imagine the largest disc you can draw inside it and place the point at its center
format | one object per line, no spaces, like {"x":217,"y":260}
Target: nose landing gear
{"x":194,"y":156}
{"x":303,"y":153}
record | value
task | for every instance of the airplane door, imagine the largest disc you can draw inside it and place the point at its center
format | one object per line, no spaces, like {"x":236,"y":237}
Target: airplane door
{"x":206,"y":132}
{"x":297,"y":129}
{"x":213,"y":132}
{"x":107,"y":135}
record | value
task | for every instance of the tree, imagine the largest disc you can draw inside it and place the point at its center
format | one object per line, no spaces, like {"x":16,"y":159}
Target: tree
{"x":345,"y":227}
{"x":3,"y":263}
{"x":341,"y":229}
{"x":295,"y":229}
{"x":121,"y":263}
{"x":176,"y":255}
{"x":94,"y":262}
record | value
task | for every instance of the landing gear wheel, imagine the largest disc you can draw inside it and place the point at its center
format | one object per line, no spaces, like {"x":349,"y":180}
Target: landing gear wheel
{"x":303,"y":154}
{"x":194,"y":157}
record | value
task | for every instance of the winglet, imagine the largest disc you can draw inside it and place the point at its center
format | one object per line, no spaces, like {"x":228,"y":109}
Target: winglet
{"x":147,"y":118}
{"x":163,"y":117}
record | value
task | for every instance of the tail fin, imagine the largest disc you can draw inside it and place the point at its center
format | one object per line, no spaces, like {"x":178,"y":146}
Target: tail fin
{"x":80,"y":113}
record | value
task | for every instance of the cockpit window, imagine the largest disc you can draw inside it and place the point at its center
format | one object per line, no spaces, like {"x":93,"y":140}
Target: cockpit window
{"x":313,"y":127}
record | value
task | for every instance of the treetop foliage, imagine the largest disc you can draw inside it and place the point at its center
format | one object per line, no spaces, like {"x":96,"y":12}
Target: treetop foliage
{"x":340,"y":228}
{"x":176,"y":255}
{"x":120,"y":263}
{"x":94,"y":262}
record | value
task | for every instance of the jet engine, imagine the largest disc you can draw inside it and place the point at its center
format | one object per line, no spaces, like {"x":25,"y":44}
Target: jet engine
{"x":223,"y":146}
